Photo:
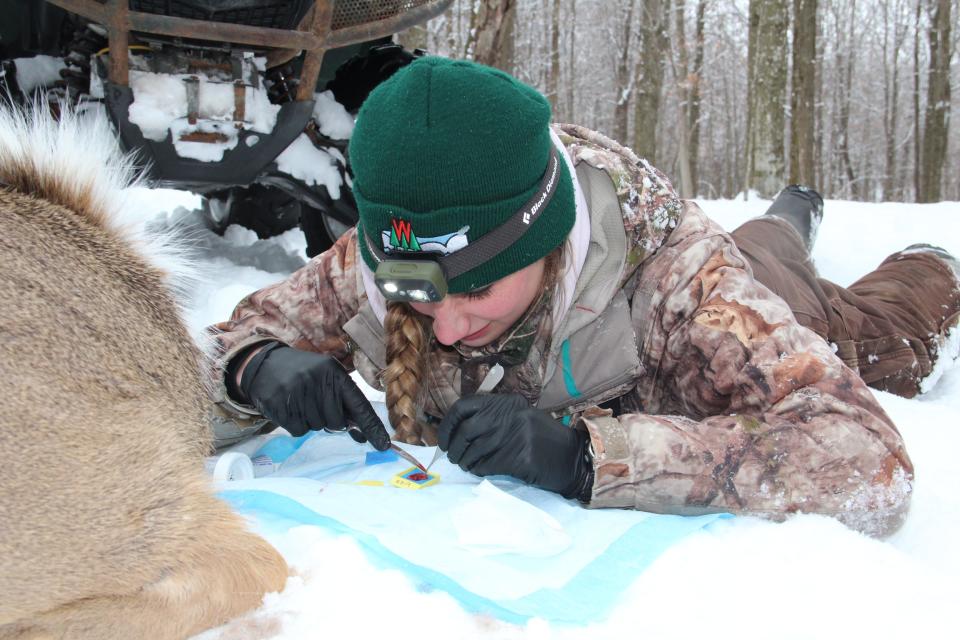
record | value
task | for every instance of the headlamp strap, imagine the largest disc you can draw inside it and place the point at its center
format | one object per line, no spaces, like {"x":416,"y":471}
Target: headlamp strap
{"x":495,"y":241}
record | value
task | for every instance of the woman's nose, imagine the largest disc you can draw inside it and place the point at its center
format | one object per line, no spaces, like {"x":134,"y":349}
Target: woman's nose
{"x":449,"y":324}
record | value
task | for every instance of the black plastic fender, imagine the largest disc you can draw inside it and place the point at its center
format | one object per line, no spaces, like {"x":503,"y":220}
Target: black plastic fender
{"x":240,"y":166}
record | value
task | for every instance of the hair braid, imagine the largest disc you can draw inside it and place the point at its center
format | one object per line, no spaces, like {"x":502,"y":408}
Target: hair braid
{"x":408,"y":336}
{"x":407,"y":340}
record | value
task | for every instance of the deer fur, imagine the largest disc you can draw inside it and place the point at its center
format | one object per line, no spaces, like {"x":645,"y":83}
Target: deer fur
{"x":108,"y":526}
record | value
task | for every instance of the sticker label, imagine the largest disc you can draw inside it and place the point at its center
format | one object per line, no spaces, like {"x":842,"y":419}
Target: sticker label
{"x":414,"y":478}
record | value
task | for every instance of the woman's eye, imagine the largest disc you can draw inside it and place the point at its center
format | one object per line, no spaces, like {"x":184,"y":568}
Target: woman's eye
{"x":479,"y":294}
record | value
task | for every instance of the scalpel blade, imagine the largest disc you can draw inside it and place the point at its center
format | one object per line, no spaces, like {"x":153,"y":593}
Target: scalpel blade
{"x":409,"y":458}
{"x":490,"y":381}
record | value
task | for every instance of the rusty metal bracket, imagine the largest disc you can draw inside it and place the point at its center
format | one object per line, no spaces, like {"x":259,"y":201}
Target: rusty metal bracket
{"x":320,"y":27}
{"x":120,"y":21}
{"x":192,"y":85}
{"x":119,"y":40}
{"x":206,"y":137}
{"x":239,"y":102}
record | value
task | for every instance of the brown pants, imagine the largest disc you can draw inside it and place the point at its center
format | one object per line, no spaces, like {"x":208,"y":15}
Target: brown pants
{"x":888,"y":326}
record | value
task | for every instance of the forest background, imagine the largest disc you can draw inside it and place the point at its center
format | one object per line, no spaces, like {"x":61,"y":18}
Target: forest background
{"x":726,"y":97}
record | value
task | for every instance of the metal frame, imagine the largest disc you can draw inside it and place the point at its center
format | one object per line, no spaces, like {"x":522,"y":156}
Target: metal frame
{"x":313,"y":36}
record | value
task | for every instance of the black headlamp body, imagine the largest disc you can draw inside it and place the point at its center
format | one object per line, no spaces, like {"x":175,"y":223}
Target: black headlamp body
{"x":411,"y":280}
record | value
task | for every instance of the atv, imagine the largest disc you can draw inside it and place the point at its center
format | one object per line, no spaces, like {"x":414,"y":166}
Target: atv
{"x":249,"y":103}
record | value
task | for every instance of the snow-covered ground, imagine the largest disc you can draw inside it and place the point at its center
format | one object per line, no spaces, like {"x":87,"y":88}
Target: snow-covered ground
{"x":744,"y":578}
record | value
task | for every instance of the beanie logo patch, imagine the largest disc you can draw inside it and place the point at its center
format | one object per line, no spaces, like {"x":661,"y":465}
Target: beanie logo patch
{"x":400,"y":237}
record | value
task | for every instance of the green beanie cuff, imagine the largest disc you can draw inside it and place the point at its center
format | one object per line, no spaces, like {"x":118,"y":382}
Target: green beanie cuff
{"x":546,"y":233}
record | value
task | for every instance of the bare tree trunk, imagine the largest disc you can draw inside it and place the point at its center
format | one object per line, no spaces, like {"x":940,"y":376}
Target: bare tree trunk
{"x":625,"y":80}
{"x":693,"y":120}
{"x":917,"y":141}
{"x":937,"y":114}
{"x":680,"y":37}
{"x":865,"y":142}
{"x":474,"y":11}
{"x":803,"y":92}
{"x":732,"y":163}
{"x":571,"y":64}
{"x":891,"y":95}
{"x":819,"y":177}
{"x":766,"y":90}
{"x":447,"y":34}
{"x":751,"y":64}
{"x":490,"y":37}
{"x":506,"y":50}
{"x":846,"y":82}
{"x":653,"y":20}
{"x":413,"y":38}
{"x":683,"y":158}
{"x":681,"y":75}
{"x":553,"y":79}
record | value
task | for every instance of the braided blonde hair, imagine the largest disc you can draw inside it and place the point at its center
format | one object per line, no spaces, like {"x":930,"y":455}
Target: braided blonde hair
{"x":408,"y":338}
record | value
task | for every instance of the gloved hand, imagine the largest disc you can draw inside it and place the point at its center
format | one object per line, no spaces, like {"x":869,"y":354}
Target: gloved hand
{"x":503,"y":434}
{"x":303,"y":391}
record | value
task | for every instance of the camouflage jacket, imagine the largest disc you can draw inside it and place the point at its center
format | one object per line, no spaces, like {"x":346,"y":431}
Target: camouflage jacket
{"x":722,"y":401}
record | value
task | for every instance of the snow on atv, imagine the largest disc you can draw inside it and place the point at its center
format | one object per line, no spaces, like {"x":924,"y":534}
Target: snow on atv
{"x":249,"y":103}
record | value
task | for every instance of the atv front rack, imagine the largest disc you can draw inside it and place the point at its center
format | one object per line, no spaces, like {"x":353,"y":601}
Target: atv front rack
{"x":321,"y":26}
{"x":327,"y":25}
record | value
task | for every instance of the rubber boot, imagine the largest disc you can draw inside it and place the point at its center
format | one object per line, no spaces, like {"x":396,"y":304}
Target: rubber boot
{"x":802,"y":207}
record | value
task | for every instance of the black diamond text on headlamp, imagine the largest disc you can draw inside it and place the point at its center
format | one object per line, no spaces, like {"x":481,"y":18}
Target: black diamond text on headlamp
{"x":425,"y":276}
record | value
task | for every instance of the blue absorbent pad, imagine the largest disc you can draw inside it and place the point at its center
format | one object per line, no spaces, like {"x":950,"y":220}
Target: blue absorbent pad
{"x":498,"y":546}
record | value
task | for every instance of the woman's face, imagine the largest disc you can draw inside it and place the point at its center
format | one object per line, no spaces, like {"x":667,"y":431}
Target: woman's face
{"x":477,"y":318}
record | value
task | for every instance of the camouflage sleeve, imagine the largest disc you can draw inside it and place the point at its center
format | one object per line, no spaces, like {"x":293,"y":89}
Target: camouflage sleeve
{"x":306,"y":311}
{"x":774,"y":422}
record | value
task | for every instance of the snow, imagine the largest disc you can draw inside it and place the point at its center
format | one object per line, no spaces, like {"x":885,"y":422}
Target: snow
{"x":158,"y":99}
{"x":744,"y":578}
{"x":303,"y":160}
{"x":38,"y":71}
{"x":333,"y":119}
{"x":160,"y":106}
{"x":950,"y":351}
{"x":312,"y":165}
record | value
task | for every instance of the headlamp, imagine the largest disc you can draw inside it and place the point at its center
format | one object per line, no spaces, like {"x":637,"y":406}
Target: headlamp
{"x":411,"y":280}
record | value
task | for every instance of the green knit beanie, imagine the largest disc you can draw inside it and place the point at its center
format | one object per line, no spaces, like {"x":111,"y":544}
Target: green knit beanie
{"x":446,"y":151}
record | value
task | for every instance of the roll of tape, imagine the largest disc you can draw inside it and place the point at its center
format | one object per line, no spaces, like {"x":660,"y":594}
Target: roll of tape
{"x":233,"y":466}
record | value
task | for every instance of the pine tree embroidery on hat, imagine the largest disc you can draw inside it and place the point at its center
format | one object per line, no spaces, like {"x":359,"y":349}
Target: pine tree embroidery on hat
{"x":400,"y":237}
{"x":447,"y":148}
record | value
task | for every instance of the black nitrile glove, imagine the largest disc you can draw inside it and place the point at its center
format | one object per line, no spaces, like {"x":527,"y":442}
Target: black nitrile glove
{"x":502,"y":434}
{"x":302,"y":390}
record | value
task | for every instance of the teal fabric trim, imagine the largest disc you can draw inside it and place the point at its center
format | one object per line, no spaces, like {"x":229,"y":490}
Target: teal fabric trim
{"x":586,"y":598}
{"x":566,"y":420}
{"x":568,"y":370}
{"x":279,"y":449}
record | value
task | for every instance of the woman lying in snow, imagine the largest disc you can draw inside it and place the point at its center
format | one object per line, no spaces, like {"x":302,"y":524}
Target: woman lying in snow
{"x":652,"y":361}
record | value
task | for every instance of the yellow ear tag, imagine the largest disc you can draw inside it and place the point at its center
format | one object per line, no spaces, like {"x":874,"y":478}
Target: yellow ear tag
{"x":414,"y":478}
